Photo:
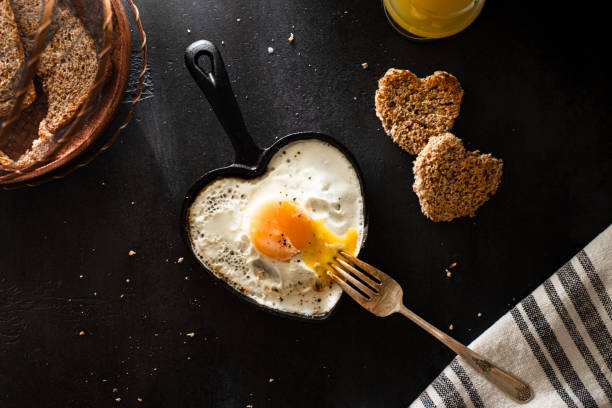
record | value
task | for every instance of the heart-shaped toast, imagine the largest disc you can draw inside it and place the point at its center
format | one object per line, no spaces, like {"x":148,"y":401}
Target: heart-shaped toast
{"x":414,"y":109}
{"x":452,"y":182}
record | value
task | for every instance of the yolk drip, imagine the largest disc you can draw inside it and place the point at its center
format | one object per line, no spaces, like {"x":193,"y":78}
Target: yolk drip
{"x":281,"y":230}
{"x":324,"y":247}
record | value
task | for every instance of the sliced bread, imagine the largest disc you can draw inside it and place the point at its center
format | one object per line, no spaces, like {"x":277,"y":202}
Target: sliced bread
{"x":414,"y":109}
{"x":68,"y":69}
{"x":12,"y":61}
{"x":28,"y":15}
{"x":452,"y":182}
{"x":68,"y":66}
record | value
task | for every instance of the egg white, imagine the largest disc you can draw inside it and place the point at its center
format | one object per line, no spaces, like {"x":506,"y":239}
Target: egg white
{"x":312,"y":173}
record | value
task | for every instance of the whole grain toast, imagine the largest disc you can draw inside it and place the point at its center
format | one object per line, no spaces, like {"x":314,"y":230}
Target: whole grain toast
{"x":67,"y":69}
{"x":12,"y":61}
{"x":414,"y":109}
{"x":452,"y":182}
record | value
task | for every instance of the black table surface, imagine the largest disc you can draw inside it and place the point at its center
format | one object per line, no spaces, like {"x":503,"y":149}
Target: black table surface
{"x":537,"y":94}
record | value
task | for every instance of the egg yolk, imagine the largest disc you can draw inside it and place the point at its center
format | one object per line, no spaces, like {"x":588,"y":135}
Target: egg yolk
{"x":281,"y":230}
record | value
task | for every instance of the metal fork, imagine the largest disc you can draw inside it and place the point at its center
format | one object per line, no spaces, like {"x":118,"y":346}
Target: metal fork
{"x":382,"y":295}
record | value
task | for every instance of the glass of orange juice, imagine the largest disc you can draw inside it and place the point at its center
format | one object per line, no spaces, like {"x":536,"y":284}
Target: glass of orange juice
{"x":429,"y":19}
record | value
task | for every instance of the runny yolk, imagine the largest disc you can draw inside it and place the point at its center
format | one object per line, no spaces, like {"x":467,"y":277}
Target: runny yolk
{"x":324,"y":247}
{"x":281,"y":230}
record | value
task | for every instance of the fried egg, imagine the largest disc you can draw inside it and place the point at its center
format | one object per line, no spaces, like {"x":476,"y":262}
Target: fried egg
{"x":272,"y":237}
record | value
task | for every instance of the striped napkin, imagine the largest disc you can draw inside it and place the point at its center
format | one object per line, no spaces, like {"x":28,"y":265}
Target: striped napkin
{"x":557,"y":340}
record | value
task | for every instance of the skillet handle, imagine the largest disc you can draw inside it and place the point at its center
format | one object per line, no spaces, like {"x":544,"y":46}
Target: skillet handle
{"x":218,"y":91}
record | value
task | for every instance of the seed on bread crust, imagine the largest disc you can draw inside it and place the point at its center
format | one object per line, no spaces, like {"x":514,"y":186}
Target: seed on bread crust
{"x":452,"y":182}
{"x":414,"y":109}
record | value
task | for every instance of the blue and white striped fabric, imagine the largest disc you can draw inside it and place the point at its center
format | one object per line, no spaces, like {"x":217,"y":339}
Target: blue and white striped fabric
{"x":557,"y":339}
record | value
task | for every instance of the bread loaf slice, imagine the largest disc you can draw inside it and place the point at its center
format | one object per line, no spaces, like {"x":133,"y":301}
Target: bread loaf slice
{"x":12,"y":62}
{"x":28,"y":15}
{"x":68,"y":66}
{"x":68,"y":69}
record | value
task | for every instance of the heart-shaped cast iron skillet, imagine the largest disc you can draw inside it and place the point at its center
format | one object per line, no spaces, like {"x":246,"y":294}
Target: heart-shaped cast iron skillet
{"x":251,"y":161}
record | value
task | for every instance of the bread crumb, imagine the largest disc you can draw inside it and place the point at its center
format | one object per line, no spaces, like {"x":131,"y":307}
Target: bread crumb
{"x":364,"y":65}
{"x":238,"y":20}
{"x":479,"y":314}
{"x":448,"y":273}
{"x":132,"y":252}
{"x":270,"y":50}
{"x":451,"y":327}
{"x":192,"y":334}
{"x":115,"y":389}
{"x":451,"y":266}
{"x":118,"y":399}
{"x":81,"y":333}
{"x":139,"y":399}
{"x":271,"y":380}
{"x":291,"y":38}
{"x":249,"y":406}
{"x":180,"y":260}
{"x":188,"y":30}
{"x":222,"y":42}
{"x":122,"y":296}
{"x":127,"y":280}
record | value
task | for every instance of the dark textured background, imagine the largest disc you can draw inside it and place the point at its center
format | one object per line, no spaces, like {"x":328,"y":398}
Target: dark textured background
{"x":537,"y":94}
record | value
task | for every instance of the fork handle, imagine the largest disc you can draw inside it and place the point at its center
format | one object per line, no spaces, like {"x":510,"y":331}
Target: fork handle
{"x":508,"y":383}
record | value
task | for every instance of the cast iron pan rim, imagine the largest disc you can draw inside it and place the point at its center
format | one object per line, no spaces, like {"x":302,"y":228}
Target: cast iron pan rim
{"x":246,"y":172}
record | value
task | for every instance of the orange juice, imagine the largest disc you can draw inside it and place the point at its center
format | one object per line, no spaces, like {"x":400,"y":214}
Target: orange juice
{"x":432,"y":18}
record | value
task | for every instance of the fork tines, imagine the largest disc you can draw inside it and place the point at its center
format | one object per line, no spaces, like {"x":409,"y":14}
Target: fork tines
{"x":361,"y":284}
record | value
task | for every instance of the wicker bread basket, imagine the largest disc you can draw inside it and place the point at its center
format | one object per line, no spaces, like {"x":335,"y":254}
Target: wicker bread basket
{"x":92,"y":126}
